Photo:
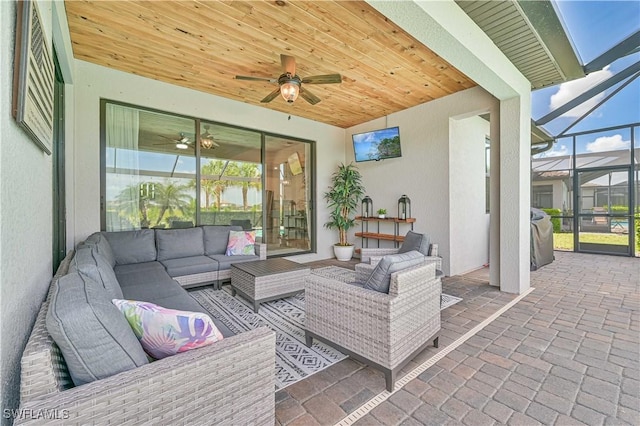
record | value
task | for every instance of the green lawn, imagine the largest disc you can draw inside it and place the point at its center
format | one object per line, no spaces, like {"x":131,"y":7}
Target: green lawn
{"x":564,"y":241}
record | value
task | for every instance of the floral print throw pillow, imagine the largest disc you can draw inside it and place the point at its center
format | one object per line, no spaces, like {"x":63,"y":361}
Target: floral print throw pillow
{"x":164,"y":332}
{"x":241,"y":243}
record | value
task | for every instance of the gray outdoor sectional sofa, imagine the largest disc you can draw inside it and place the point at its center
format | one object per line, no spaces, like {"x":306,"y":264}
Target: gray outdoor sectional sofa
{"x":104,"y":375}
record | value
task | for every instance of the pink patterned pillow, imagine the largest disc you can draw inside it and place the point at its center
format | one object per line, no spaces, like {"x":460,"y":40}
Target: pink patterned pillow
{"x":241,"y":243}
{"x":164,"y":332}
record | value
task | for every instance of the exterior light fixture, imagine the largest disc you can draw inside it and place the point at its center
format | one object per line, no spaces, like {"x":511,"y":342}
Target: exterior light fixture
{"x":404,"y":207}
{"x":182,"y":145}
{"x":289,"y":87}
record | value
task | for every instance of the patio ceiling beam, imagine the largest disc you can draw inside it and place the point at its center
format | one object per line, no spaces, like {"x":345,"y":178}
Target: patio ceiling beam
{"x":596,"y":106}
{"x":589,"y":94}
{"x":622,"y":49}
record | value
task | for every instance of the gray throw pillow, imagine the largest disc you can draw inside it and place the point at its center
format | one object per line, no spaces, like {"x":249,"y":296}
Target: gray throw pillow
{"x":95,"y":338}
{"x":132,"y":246}
{"x":178,"y":243}
{"x":380,"y":278}
{"x":91,"y":264}
{"x":415,"y":241}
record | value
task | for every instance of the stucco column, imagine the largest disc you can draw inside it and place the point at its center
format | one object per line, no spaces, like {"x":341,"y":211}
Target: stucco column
{"x":494,"y":199}
{"x":515,"y":178}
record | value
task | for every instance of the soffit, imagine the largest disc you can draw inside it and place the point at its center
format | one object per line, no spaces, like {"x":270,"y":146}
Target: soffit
{"x":531,"y":35}
{"x":202,"y":45}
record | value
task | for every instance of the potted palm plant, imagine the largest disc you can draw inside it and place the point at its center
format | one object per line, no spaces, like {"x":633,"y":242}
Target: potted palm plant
{"x":343,"y":198}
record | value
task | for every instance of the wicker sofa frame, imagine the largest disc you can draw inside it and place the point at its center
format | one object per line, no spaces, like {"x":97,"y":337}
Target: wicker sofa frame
{"x":228,"y":383}
{"x":385,"y":331}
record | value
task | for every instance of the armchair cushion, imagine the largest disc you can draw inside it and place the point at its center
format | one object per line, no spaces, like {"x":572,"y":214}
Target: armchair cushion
{"x":415,"y":241}
{"x":91,"y":264}
{"x":381,"y":276}
{"x":132,"y":246}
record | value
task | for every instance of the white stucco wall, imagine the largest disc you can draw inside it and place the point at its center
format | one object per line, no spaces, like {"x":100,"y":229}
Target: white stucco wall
{"x":26,"y":212}
{"x":93,"y":82}
{"x":423,"y":172}
{"x":469,"y":223}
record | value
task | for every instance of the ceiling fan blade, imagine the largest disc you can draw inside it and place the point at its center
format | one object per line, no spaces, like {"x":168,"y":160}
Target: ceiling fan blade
{"x":271,"y":96}
{"x":309,"y":97}
{"x":245,"y":77}
{"x":288,"y":64}
{"x":323,"y":79}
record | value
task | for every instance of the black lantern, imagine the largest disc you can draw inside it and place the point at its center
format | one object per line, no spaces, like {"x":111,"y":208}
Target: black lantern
{"x":404,"y":207}
{"x":367,"y":206}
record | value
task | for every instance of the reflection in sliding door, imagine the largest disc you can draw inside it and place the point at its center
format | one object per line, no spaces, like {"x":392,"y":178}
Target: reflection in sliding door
{"x":149,"y":162}
{"x":288,"y":195}
{"x":230,"y":177}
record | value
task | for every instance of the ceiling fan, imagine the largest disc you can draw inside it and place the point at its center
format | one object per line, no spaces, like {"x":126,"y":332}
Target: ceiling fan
{"x":290,"y":84}
{"x":181,"y":143}
{"x":206,"y":139}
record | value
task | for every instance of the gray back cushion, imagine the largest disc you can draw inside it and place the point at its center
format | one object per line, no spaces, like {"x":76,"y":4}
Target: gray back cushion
{"x":415,"y":241}
{"x":132,"y":246}
{"x":216,"y":238}
{"x":380,"y":278}
{"x":95,"y":339}
{"x":101,"y":245}
{"x":89,"y":263}
{"x":177,"y":243}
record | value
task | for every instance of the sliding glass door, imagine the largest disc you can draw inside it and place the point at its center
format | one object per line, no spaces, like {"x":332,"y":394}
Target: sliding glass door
{"x":287,"y":195}
{"x":163,"y":170}
{"x":150,"y":166}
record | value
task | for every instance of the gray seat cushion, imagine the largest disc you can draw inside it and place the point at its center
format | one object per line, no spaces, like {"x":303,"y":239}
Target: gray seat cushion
{"x":150,"y":291}
{"x":177,"y":243}
{"x":190,"y":265}
{"x":416,"y":241}
{"x":89,"y":263}
{"x":101,"y":245}
{"x":150,"y":274}
{"x":93,"y":335}
{"x":216,"y":238}
{"x":226,"y":261}
{"x":132,"y":246}
{"x":137,"y":267}
{"x":380,"y":278}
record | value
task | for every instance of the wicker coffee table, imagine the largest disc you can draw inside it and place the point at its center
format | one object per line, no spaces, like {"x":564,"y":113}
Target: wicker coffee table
{"x":265,"y":280}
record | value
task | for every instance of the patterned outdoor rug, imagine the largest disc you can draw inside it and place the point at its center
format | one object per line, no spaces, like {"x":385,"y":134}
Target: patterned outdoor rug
{"x":348,"y":275}
{"x":294,"y":360}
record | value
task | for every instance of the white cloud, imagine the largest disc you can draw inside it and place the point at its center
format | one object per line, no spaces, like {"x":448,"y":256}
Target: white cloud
{"x":556,"y":151}
{"x":568,"y":91}
{"x":608,"y":143}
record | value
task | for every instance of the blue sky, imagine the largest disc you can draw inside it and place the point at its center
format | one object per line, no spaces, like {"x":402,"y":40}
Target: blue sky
{"x":594,"y":27}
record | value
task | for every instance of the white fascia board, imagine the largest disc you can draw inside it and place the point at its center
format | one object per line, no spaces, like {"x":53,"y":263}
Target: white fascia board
{"x":446,"y":29}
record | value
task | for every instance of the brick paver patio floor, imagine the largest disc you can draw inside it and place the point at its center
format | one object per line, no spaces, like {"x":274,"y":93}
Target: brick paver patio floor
{"x":566,"y":354}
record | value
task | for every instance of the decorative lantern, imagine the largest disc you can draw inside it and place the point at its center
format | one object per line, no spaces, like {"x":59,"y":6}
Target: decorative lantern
{"x":367,"y":206}
{"x":404,"y":207}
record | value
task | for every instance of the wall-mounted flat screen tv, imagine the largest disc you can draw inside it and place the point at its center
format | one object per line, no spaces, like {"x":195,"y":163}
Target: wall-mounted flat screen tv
{"x":377,"y":145}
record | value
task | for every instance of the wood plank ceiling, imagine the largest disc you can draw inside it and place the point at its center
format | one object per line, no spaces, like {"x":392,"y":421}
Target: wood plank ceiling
{"x":202,"y":45}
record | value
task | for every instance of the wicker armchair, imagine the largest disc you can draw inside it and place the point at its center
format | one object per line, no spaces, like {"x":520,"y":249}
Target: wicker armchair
{"x":383,"y":330}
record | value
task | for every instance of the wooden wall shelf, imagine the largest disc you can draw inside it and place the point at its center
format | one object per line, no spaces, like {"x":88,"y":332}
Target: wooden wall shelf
{"x":366,"y":235}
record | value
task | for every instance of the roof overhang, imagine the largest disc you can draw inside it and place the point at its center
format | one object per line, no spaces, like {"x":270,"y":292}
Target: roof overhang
{"x":532,"y":37}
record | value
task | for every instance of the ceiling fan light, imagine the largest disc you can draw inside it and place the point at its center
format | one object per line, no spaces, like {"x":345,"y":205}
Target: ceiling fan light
{"x":290,"y":90}
{"x":182,"y":145}
{"x":206,"y":143}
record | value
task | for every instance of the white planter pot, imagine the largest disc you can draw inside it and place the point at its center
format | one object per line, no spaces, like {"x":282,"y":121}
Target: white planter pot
{"x":343,"y":253}
{"x":381,"y":216}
